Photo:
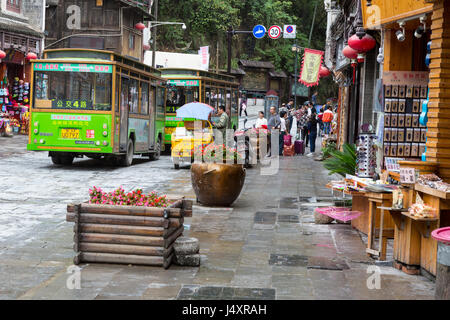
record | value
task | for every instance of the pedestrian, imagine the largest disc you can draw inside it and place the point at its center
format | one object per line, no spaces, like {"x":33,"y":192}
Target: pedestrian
{"x":290,"y":109}
{"x":243,"y":108}
{"x":261,"y":120}
{"x":314,"y":97}
{"x":327,"y":118}
{"x":312,"y":128}
{"x":222,"y":125}
{"x":273,"y":124}
{"x":283,"y":130}
{"x":283,"y":107}
{"x":303,"y":123}
{"x":319,"y":119}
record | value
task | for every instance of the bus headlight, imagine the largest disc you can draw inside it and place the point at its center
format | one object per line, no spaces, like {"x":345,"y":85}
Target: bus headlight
{"x":105,"y":133}
{"x":105,"y":126}
{"x":36,"y":124}
{"x":105,"y":143}
{"x":35,"y":131}
{"x":97,"y":143}
{"x":42,"y":141}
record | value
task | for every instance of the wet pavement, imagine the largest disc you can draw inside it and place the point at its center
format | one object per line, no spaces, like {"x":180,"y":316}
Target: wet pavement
{"x":266,"y":246}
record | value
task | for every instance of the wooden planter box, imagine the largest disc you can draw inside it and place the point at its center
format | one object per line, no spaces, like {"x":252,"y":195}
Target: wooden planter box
{"x":127,"y":234}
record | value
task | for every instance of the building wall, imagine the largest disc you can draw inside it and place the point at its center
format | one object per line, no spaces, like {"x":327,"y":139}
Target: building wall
{"x":255,"y":79}
{"x":34,"y":11}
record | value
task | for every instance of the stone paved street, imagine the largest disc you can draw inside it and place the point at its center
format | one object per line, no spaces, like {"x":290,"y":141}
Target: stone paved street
{"x":265,"y":247}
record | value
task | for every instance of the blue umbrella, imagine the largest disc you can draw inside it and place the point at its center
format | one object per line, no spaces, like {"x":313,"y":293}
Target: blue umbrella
{"x":196,"y":110}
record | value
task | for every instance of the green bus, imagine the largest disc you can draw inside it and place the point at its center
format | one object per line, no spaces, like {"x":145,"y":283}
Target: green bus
{"x":97,"y":104}
{"x":189,"y":85}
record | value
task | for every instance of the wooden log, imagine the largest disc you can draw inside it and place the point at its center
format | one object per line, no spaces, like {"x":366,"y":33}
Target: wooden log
{"x":187,"y":206}
{"x":122,"y":249}
{"x":168,"y":261}
{"x":125,"y":230}
{"x":129,"y":210}
{"x":120,"y":220}
{"x":123,"y":239}
{"x":175,"y":222}
{"x":170,"y":239}
{"x":122,"y":259}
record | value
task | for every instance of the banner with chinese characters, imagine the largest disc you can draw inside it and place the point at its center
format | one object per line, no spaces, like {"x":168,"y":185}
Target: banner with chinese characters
{"x":312,"y":60}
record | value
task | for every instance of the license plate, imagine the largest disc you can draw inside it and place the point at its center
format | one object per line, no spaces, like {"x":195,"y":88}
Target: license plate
{"x":70,"y":133}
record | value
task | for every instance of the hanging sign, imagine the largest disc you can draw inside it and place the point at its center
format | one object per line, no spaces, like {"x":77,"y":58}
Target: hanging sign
{"x":289,"y":31}
{"x":73,"y":67}
{"x":259,"y":31}
{"x":312,"y":60}
{"x":274,"y":32}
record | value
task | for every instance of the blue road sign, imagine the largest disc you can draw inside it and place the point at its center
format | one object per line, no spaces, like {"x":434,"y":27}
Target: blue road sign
{"x":259,"y":31}
{"x":289,"y":29}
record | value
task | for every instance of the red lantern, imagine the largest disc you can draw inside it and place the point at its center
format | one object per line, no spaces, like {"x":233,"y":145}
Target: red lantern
{"x":350,"y":53}
{"x":146,"y":47}
{"x":31,"y":56}
{"x":365,"y":44}
{"x":2,"y":54}
{"x":324,"y":72}
{"x":140,"y":26}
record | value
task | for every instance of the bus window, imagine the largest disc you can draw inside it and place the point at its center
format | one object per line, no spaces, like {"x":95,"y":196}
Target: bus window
{"x":144,"y":98}
{"x":134,"y":96}
{"x":228,"y":102}
{"x":207,"y":97}
{"x":222,"y":97}
{"x":214,"y":98}
{"x":179,"y":96}
{"x":234,"y":101}
{"x":160,"y":102}
{"x":117,"y":94}
{"x":72,"y":90}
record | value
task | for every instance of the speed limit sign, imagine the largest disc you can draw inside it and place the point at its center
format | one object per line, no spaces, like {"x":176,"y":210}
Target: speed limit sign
{"x":274,"y":32}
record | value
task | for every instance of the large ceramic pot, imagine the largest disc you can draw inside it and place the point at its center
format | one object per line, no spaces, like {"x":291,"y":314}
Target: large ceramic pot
{"x":217,"y":184}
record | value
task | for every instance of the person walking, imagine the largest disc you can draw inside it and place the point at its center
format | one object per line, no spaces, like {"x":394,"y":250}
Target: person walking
{"x":327,"y":118}
{"x":261,"y":121}
{"x":319,"y":119}
{"x":273,"y":124}
{"x":283,"y":130}
{"x":222,"y":125}
{"x":312,"y":128}
{"x":243,"y":108}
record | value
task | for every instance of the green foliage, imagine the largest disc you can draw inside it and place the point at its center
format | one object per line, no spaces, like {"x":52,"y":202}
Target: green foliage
{"x":330,"y":146}
{"x":342,"y":162}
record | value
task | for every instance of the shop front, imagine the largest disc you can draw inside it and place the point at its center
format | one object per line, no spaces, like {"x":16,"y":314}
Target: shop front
{"x":17,"y":49}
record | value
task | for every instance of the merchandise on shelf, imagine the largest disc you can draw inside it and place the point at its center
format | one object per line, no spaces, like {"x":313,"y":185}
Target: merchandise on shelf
{"x":366,"y":155}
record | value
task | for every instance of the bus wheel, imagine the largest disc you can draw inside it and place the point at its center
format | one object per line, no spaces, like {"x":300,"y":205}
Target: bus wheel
{"x":56,"y":160}
{"x":155,"y":155}
{"x":127,"y":159}
{"x":176,"y":166}
{"x":66,"y":160}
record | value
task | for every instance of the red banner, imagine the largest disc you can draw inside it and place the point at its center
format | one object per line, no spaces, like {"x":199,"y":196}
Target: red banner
{"x":312,"y":60}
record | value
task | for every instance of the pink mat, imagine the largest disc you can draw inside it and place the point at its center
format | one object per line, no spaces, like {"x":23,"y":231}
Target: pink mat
{"x":339,"y":213}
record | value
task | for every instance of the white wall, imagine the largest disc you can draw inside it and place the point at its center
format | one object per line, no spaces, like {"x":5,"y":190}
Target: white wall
{"x":174,"y":60}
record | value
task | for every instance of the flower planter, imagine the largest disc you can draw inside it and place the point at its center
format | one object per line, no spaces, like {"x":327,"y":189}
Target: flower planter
{"x":217,"y":184}
{"x":127,"y":234}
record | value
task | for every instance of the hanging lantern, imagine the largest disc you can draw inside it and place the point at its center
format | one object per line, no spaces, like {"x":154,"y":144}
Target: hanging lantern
{"x":324,"y":72}
{"x":31,"y":56}
{"x":360,"y":57}
{"x":140,"y":26}
{"x":2,"y":54}
{"x":350,"y":53}
{"x":146,"y":47}
{"x":365,"y":44}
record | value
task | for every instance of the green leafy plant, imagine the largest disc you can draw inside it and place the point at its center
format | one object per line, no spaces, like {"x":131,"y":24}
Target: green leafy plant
{"x":329,"y":147}
{"x":342,"y":162}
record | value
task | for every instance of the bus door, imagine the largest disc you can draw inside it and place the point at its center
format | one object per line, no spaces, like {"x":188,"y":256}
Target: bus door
{"x":124,"y":109}
{"x":152,"y":113}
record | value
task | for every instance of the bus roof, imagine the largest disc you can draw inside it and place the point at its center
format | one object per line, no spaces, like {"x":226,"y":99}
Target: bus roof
{"x":174,"y":72}
{"x":98,"y":55}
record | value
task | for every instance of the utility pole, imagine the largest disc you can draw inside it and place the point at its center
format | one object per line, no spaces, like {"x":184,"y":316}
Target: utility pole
{"x":295,"y":71}
{"x":154,"y":34}
{"x":229,"y":38}
{"x":217,"y":56}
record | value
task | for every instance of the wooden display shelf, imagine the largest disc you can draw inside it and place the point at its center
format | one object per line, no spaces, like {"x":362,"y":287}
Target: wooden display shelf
{"x":431,"y":191}
{"x":407,"y":214}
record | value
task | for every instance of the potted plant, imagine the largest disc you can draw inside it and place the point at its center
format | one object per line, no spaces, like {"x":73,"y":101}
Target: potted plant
{"x":342,"y":162}
{"x":217,"y":175}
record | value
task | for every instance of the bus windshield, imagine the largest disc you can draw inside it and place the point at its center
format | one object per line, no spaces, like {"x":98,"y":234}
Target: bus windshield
{"x":72,"y":90}
{"x":179,"y":96}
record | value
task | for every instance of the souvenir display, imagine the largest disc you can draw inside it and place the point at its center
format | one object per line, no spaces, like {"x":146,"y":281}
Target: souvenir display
{"x":366,"y":155}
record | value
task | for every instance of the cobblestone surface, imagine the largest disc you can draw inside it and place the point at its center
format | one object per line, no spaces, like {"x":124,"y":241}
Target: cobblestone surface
{"x":266,"y":246}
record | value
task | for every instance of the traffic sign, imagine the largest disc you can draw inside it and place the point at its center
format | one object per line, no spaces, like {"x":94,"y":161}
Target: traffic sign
{"x":289,"y":31}
{"x":259,"y":31}
{"x":274,"y":32}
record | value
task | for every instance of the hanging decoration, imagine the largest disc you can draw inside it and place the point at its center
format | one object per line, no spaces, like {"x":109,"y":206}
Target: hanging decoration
{"x":31,"y":56}
{"x":310,"y":72}
{"x":2,"y":54}
{"x":324,"y":71}
{"x":365,"y":44}
{"x":140,"y":26}
{"x":350,"y":53}
{"x":354,"y":64}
